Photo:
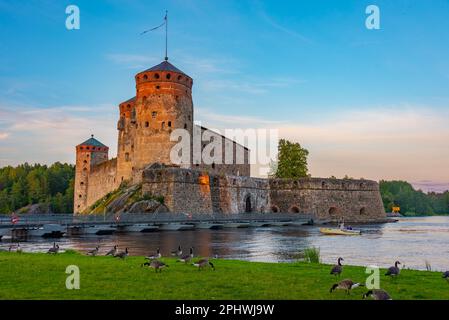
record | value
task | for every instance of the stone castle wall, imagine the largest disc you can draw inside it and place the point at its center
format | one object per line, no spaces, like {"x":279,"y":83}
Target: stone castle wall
{"x":102,"y":180}
{"x":193,"y":191}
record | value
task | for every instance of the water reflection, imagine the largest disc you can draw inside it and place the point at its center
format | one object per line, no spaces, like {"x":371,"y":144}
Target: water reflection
{"x":412,"y":241}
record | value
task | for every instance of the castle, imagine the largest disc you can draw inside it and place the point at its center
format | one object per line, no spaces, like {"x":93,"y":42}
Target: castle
{"x":163,"y":103}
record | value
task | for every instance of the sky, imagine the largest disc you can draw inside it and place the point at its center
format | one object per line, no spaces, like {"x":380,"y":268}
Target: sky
{"x":365,"y":103}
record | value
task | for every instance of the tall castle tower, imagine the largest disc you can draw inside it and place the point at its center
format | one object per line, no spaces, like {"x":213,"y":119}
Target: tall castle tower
{"x":88,"y":154}
{"x":163,"y":103}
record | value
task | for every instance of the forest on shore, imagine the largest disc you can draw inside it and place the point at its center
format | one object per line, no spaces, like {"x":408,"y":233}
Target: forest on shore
{"x":51,"y":189}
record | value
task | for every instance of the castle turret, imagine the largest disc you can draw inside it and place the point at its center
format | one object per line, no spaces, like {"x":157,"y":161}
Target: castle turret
{"x":163,"y":103}
{"x":88,"y":154}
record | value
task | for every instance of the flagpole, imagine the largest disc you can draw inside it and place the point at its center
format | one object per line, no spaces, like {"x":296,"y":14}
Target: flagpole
{"x":166,"y":35}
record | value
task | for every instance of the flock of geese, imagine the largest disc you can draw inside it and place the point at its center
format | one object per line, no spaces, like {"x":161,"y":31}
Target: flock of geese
{"x":376,"y":294}
{"x":152,"y":261}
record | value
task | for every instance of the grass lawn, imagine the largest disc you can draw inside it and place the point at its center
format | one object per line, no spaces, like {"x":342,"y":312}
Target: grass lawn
{"x":42,"y":276}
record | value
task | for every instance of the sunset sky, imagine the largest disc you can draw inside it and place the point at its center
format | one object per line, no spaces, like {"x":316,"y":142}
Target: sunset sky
{"x":365,"y":103}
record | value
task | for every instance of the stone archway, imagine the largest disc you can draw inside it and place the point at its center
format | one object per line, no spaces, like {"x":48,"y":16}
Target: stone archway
{"x":293,"y":209}
{"x":362,"y":211}
{"x":333,"y":211}
{"x":248,"y":204}
{"x":274,"y":209}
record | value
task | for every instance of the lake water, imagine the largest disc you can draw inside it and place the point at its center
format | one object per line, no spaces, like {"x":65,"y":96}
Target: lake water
{"x":412,"y":241}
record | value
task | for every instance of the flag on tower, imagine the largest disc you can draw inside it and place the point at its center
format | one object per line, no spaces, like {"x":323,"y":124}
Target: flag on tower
{"x":163,"y":24}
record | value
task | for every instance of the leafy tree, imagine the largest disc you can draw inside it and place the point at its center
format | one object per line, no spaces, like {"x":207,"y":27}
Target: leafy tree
{"x":291,"y":161}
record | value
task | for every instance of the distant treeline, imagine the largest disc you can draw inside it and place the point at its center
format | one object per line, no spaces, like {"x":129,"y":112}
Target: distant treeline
{"x":413,"y":202}
{"x":30,"y":184}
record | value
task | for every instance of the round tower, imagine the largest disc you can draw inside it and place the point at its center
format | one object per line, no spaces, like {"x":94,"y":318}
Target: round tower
{"x":163,"y":103}
{"x":88,"y":154}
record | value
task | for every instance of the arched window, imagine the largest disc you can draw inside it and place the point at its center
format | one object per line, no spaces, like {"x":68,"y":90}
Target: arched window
{"x":168,"y":76}
{"x":145,"y":77}
{"x":274,"y":209}
{"x":169,"y":124}
{"x":163,"y":125}
{"x":179,"y":78}
{"x":156,"y":75}
{"x":158,"y":87}
{"x":147,"y":124}
{"x":126,"y":156}
{"x":362,"y":211}
{"x":185,"y":125}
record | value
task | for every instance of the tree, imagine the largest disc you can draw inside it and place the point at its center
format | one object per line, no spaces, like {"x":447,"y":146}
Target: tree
{"x":291,"y":161}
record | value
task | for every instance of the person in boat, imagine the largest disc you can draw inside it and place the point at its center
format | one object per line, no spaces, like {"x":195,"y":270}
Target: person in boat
{"x":342,"y":224}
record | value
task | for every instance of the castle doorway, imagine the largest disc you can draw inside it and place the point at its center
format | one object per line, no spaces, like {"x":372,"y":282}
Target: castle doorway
{"x":248,"y":207}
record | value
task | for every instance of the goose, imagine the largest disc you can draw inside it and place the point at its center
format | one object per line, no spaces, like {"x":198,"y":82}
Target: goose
{"x":54,"y":249}
{"x":446,"y":275}
{"x":393,"y":271}
{"x":155,"y":264}
{"x":177,"y":252}
{"x":123,"y":254}
{"x":112,"y":252}
{"x":155,"y":256}
{"x":186,"y":258}
{"x":338,"y":268}
{"x":377,"y":294}
{"x":346,"y":284}
{"x":93,"y":252}
{"x":203,"y":263}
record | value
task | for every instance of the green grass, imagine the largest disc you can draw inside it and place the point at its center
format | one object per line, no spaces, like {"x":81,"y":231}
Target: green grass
{"x":42,"y":276}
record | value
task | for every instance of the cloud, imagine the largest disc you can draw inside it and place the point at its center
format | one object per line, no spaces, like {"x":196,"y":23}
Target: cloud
{"x":49,"y":135}
{"x":431,"y":186}
{"x":4,"y":135}
{"x":391,"y":143}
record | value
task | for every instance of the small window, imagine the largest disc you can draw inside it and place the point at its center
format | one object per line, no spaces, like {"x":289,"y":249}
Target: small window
{"x":82,"y":183}
{"x":163,"y":125}
{"x":179,"y":78}
{"x":168,"y":76}
{"x":190,"y":118}
{"x":145,"y":77}
{"x":185,"y":125}
{"x":85,"y":161}
{"x":81,"y":148}
{"x":197,"y":165}
{"x":147,"y":124}
{"x":156,"y":75}
{"x":126,"y":156}
{"x":154,"y":114}
{"x":158,"y":87}
{"x":169,"y":124}
{"x":213,"y":165}
{"x":80,"y":196}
